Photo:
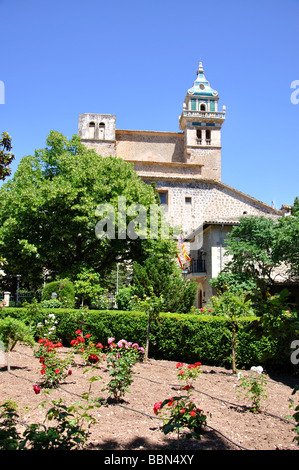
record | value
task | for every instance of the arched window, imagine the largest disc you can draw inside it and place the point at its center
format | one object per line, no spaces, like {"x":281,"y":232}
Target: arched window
{"x":101,"y":131}
{"x":199,"y":135}
{"x":202,"y":107}
{"x":91,"y":130}
{"x":208,"y":136}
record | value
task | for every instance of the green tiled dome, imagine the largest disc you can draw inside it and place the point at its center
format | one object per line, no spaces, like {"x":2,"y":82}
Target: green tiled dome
{"x":201,"y":86}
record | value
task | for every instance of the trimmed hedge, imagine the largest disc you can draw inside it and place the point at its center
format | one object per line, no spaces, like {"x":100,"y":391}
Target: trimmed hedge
{"x":178,"y":337}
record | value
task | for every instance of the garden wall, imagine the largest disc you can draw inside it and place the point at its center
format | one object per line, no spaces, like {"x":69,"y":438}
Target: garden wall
{"x":179,"y":337}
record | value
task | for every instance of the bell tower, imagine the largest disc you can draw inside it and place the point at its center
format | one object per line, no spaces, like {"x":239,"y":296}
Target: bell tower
{"x":201,"y":122}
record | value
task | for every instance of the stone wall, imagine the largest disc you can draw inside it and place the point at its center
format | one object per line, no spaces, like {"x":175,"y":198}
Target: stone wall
{"x":149,"y":147}
{"x":210,"y":201}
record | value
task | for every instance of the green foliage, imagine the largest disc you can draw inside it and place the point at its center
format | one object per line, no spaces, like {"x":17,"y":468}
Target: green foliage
{"x":260,"y":248}
{"x":48,"y":211}
{"x":120,"y":361}
{"x":124,"y":297}
{"x":232,"y":305}
{"x":161,"y":276}
{"x":253,"y":386}
{"x":6,"y":157}
{"x":9,"y":435}
{"x":181,"y":415}
{"x":87,"y":286}
{"x":251,"y":245}
{"x":52,"y":303}
{"x":187,"y":338}
{"x":13,"y":331}
{"x":65,"y":292}
{"x":68,"y":432}
{"x":152,"y":306}
{"x":295,"y":207}
{"x":54,"y":368}
{"x":238,"y":282}
{"x":287,"y":244}
{"x":278,"y":320}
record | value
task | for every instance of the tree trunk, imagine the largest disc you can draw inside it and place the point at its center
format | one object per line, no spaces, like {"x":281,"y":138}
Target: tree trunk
{"x":234,"y":349}
{"x":147,"y":341}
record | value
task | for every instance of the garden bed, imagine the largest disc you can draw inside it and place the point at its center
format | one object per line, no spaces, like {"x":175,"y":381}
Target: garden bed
{"x":132,"y":423}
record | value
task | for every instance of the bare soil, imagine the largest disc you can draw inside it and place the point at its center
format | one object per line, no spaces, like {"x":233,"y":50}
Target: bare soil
{"x":132,"y":424}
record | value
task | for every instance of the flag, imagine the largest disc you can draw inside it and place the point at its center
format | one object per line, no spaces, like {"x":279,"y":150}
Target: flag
{"x":180,"y":261}
{"x":184,"y":250}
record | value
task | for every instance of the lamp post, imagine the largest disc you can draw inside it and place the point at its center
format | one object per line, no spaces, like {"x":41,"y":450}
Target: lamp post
{"x":18,"y":284}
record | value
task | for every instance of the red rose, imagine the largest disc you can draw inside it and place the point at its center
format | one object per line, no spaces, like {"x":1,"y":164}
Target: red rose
{"x":70,"y":372}
{"x":99,"y":345}
{"x":187,"y":387}
{"x":93,"y":358}
{"x":179,"y":364}
{"x":157,"y":407}
{"x":57,"y":371}
{"x":36,"y":389}
{"x":43,"y":372}
{"x":78,"y":332}
{"x":87,"y":336}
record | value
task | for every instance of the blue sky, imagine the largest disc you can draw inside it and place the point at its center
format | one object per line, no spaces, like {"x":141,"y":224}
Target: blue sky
{"x":136,"y":59}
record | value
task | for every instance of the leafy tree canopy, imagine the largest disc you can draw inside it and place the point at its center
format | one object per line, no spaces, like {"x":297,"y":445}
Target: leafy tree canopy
{"x":48,"y":212}
{"x":6,"y":157}
{"x":261,"y":249}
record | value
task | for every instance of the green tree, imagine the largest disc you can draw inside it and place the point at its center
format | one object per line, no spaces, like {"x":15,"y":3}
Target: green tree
{"x":152,"y":306}
{"x":13,"y":331}
{"x":287,"y":245}
{"x":48,"y":211}
{"x":251,"y":244}
{"x":295,"y":207}
{"x":233,"y":306}
{"x":87,"y":285}
{"x":160,"y":275}
{"x":6,"y":157}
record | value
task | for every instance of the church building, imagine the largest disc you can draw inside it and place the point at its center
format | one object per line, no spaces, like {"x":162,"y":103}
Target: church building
{"x":186,"y":168}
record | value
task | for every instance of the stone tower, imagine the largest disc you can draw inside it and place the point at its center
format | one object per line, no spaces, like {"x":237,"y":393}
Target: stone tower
{"x":97,"y":131}
{"x":201,"y":123}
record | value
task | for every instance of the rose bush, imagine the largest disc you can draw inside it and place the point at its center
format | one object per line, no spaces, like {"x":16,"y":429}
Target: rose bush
{"x":84,"y":346}
{"x":181,"y":415}
{"x":188,"y":373}
{"x":54,"y":369}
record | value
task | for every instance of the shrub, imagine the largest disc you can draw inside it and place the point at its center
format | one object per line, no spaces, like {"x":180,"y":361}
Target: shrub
{"x":65,"y":292}
{"x":179,"y":337}
{"x":123,"y":298}
{"x":13,"y":331}
{"x":52,"y":303}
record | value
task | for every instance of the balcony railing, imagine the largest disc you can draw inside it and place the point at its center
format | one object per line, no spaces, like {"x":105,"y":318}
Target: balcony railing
{"x":204,"y":114}
{"x":197,"y":266}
